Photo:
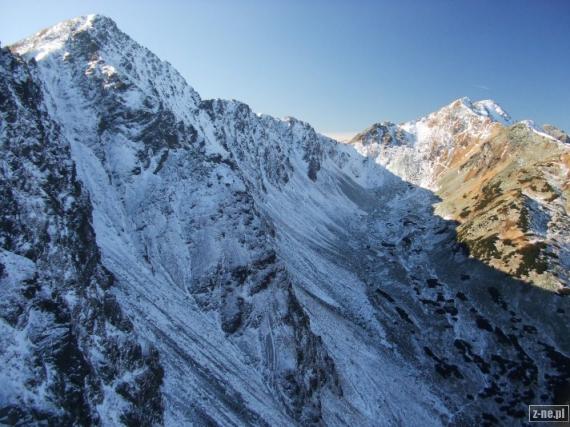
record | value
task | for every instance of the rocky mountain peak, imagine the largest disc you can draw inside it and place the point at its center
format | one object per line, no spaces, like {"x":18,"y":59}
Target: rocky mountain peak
{"x":557,"y":133}
{"x":490,"y":108}
{"x":90,"y":57}
{"x":53,"y":39}
{"x":383,"y":132}
{"x":468,"y":111}
{"x":438,"y":133}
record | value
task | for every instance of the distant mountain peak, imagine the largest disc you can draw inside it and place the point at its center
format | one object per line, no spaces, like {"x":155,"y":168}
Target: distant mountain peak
{"x":483,"y":108}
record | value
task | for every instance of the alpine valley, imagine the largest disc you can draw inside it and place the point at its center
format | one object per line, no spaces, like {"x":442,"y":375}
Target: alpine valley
{"x":169,"y":260}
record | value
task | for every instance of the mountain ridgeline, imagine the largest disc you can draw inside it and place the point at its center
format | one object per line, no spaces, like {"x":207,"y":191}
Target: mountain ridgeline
{"x":168,"y":260}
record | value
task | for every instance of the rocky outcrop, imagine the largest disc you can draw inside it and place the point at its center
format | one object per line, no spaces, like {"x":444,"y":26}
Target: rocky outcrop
{"x":70,"y":356}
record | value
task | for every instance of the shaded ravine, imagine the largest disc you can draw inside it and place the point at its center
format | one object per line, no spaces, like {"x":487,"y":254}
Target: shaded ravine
{"x":484,"y":342}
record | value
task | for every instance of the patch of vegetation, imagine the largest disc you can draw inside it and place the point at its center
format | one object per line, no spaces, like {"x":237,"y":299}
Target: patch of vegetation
{"x":432,"y":283}
{"x":525,"y":179}
{"x":483,"y":323}
{"x":443,"y":368}
{"x":532,"y":259}
{"x":461,"y":296}
{"x":404,"y":315}
{"x":464,"y":213}
{"x":484,"y":247}
{"x":524,"y":222}
{"x":489,"y":193}
{"x":545,"y":187}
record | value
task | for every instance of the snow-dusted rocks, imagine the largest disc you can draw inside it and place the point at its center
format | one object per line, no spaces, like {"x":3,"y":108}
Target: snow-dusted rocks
{"x":258,"y":272}
{"x":421,"y":150}
{"x":192,"y":254}
{"x":69,"y":355}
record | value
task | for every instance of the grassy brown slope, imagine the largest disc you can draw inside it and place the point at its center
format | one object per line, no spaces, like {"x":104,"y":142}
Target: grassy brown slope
{"x":510,"y":195}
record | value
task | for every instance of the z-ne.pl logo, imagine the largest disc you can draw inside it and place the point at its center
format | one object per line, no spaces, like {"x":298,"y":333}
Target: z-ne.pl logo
{"x":548,"y":413}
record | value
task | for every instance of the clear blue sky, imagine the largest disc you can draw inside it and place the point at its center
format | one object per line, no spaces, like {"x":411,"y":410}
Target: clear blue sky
{"x":343,"y":65}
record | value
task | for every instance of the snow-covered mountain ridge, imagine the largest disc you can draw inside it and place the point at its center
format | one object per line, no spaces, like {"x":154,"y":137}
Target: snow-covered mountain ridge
{"x":269,"y":275}
{"x":505,"y":182}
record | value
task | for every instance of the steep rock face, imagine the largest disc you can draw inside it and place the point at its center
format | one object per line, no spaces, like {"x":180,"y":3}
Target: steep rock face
{"x":356,"y":240}
{"x":69,"y":354}
{"x":285,"y":278}
{"x":181,"y":233}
